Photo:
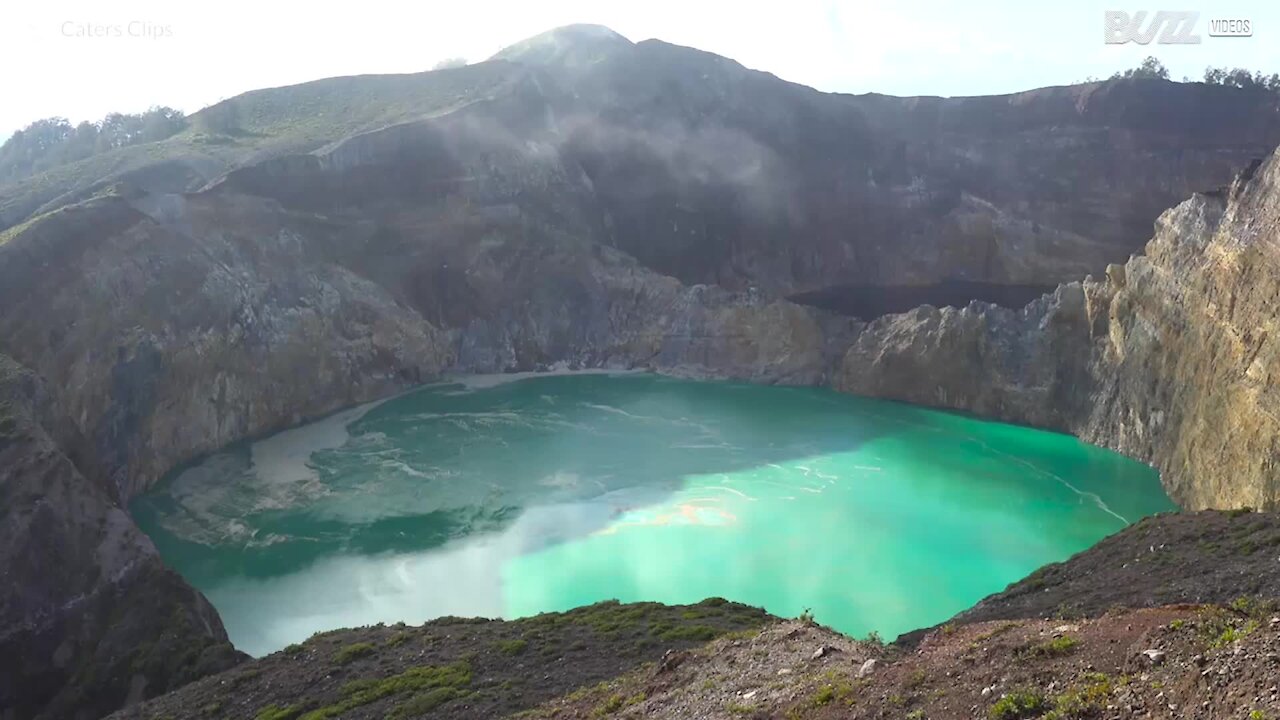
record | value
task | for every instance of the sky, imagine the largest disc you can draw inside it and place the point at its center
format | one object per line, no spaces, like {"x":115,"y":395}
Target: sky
{"x":82,"y":59}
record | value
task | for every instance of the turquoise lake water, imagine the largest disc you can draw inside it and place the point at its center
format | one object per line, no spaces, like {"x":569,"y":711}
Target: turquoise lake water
{"x":512,"y":498}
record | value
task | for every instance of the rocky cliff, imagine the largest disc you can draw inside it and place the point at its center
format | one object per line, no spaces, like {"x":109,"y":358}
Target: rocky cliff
{"x":91,"y":618}
{"x":1171,"y":357}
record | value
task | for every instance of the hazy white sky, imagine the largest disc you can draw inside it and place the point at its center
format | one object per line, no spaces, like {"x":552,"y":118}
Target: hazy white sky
{"x":189,"y":55}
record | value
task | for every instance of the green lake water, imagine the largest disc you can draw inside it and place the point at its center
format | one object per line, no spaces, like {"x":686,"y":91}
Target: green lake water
{"x":505,"y":499}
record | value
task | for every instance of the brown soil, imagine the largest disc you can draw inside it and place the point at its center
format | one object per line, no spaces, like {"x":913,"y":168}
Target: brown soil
{"x":1086,"y":669}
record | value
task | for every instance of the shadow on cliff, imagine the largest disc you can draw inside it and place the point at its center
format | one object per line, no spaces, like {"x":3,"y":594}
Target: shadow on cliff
{"x":868,"y":302}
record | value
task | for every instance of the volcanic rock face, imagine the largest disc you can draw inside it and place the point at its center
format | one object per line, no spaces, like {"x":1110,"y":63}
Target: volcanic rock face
{"x":91,"y":618}
{"x":1171,"y":357}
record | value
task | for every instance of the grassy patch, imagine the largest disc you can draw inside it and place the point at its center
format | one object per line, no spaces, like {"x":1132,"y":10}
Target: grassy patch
{"x":512,"y":647}
{"x":352,"y":652}
{"x":275,"y":712}
{"x":616,"y":702}
{"x":1057,"y":647}
{"x":1018,"y":704}
{"x":1085,"y":701}
{"x":1220,"y":627}
{"x":399,"y":639}
{"x":835,"y":689}
{"x":426,"y":702}
{"x":454,"y":676}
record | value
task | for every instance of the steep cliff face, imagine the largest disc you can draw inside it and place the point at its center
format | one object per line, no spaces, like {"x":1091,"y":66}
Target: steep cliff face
{"x":1171,"y":358}
{"x":89,"y":617}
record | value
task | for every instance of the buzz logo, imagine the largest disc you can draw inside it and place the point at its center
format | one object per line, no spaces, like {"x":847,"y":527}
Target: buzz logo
{"x":1167,"y":27}
{"x":1173,"y":27}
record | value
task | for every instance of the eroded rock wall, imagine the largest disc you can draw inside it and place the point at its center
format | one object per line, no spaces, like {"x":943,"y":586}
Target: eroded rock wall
{"x":90,"y":619}
{"x":1170,"y":358}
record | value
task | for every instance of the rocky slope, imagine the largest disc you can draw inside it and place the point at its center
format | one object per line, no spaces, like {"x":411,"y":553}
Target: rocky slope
{"x":1137,"y":657}
{"x":586,"y":201}
{"x":92,"y":619}
{"x":713,"y":173}
{"x":1170,"y":358}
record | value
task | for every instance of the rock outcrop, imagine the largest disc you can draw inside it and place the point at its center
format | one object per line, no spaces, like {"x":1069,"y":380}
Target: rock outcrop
{"x":1171,"y":358}
{"x":89,"y":617}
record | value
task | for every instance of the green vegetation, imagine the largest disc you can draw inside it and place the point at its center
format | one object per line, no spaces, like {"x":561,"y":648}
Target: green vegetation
{"x":54,"y":141}
{"x":1086,"y":701}
{"x":13,"y":232}
{"x":835,"y":688}
{"x":1150,"y":68}
{"x":1019,"y":704}
{"x":426,"y":702}
{"x":1220,"y":627}
{"x":293,"y":649}
{"x":353,"y":651}
{"x":1233,"y":633}
{"x":513,"y":647}
{"x":736,"y":708}
{"x":616,"y":702}
{"x":1056,"y":647}
{"x":1230,"y":77}
{"x":450,"y":680}
{"x":398,"y":639}
{"x":646,"y":622}
{"x":1242,"y":78}
{"x":261,"y":124}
